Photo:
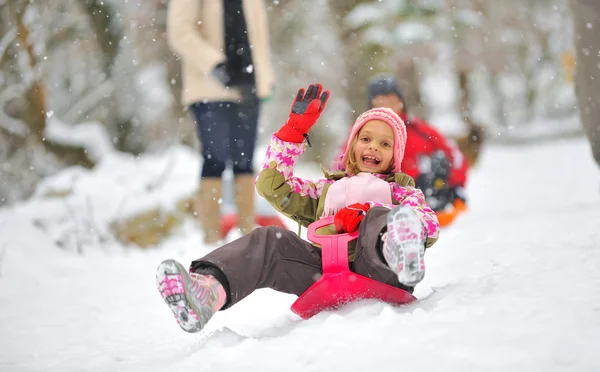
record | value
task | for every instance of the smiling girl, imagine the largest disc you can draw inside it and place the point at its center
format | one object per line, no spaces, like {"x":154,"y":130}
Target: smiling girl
{"x":370,"y":194}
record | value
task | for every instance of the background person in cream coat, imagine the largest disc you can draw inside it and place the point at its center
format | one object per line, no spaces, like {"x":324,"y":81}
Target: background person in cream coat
{"x":224,"y":80}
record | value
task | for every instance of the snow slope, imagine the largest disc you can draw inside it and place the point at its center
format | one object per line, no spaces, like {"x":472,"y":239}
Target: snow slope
{"x":511,"y":286}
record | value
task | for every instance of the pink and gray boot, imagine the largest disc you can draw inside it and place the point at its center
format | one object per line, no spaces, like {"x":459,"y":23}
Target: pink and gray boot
{"x":404,"y":245}
{"x":193,"y":298}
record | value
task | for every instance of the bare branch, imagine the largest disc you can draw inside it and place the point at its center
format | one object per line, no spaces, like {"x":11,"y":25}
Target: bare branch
{"x":74,"y":229}
{"x":163,"y":175}
{"x":107,"y":35}
{"x":23,"y":36}
{"x":7,"y":39}
{"x":7,"y":122}
{"x":89,"y":101}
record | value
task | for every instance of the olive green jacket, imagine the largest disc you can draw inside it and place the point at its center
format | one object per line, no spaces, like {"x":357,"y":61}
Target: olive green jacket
{"x":303,"y":200}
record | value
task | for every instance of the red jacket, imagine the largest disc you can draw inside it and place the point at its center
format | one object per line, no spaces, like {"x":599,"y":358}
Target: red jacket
{"x":423,"y":139}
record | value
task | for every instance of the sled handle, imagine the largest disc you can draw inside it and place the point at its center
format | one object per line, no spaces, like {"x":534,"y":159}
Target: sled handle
{"x":334,"y":248}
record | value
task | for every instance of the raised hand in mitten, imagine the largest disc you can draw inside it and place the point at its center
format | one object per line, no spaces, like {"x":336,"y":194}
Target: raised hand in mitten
{"x":306,"y":109}
{"x":347,"y":219}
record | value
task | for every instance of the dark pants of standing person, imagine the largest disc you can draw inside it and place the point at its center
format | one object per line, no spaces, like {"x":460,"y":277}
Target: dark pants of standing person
{"x":227,"y":131}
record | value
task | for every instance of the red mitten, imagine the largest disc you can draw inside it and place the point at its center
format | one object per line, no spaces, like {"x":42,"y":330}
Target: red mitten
{"x":347,"y":219}
{"x":306,"y":109}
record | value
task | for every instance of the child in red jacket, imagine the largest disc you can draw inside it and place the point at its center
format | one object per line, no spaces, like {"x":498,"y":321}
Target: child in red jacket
{"x":436,"y":164}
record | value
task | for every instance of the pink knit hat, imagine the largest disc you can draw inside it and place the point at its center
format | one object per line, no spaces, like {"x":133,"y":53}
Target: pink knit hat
{"x":389,"y":116}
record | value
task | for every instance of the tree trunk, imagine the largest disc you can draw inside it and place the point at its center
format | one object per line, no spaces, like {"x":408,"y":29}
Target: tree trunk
{"x":34,"y":114}
{"x":470,"y":144}
{"x":408,"y":75}
{"x":108,"y":38}
{"x":106,"y":35}
{"x":362,"y":62}
{"x":306,"y":49}
{"x":586,"y":23}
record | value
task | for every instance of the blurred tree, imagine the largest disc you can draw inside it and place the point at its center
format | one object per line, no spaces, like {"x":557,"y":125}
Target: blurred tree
{"x":362,"y":60}
{"x":106,"y":61}
{"x":501,"y":58}
{"x":305,"y":49}
{"x":586,"y":20}
{"x":30,"y":153}
{"x":107,"y":31}
{"x":379,"y":37}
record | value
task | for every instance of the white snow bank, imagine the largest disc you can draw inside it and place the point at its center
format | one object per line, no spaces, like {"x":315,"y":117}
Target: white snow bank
{"x":118,"y":187}
{"x":91,"y":136}
{"x":511,"y":286}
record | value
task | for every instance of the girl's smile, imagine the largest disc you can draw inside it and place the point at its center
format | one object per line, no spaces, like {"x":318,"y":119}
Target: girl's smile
{"x":374,"y":148}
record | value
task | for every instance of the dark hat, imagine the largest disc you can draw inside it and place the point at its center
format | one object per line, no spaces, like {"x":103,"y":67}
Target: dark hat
{"x":384,"y":84}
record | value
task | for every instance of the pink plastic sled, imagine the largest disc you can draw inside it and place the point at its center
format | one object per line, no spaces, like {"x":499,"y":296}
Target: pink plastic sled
{"x":338,"y":285}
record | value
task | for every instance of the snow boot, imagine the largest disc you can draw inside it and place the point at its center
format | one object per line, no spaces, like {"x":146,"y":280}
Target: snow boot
{"x":244,"y":199}
{"x":193,"y":298}
{"x":403,"y":245}
{"x":207,"y":208}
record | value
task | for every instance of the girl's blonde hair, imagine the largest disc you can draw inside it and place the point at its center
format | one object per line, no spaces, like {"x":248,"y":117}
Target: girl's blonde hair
{"x":351,"y":165}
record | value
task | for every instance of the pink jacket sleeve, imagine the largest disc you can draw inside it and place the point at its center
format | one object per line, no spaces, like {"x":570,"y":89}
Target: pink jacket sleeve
{"x":282,"y":156}
{"x":414,"y":198}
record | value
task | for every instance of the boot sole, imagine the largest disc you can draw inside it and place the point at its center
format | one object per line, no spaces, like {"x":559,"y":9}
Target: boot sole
{"x":173,"y":283}
{"x":405,"y":235}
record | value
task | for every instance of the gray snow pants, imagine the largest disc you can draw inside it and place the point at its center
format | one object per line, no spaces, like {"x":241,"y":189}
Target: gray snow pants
{"x":277,"y":258}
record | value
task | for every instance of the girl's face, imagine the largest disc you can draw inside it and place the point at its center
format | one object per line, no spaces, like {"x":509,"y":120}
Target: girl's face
{"x":374,"y":148}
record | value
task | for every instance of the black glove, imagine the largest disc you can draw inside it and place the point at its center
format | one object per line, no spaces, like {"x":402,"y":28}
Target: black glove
{"x":440,"y":165}
{"x":220,"y":72}
{"x":433,"y":180}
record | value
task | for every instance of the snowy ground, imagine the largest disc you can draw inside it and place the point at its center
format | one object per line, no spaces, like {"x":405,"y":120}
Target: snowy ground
{"x":511,"y":286}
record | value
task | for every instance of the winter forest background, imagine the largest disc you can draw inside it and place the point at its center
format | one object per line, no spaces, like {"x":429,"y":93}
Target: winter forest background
{"x":80,"y":78}
{"x":99,"y":159}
